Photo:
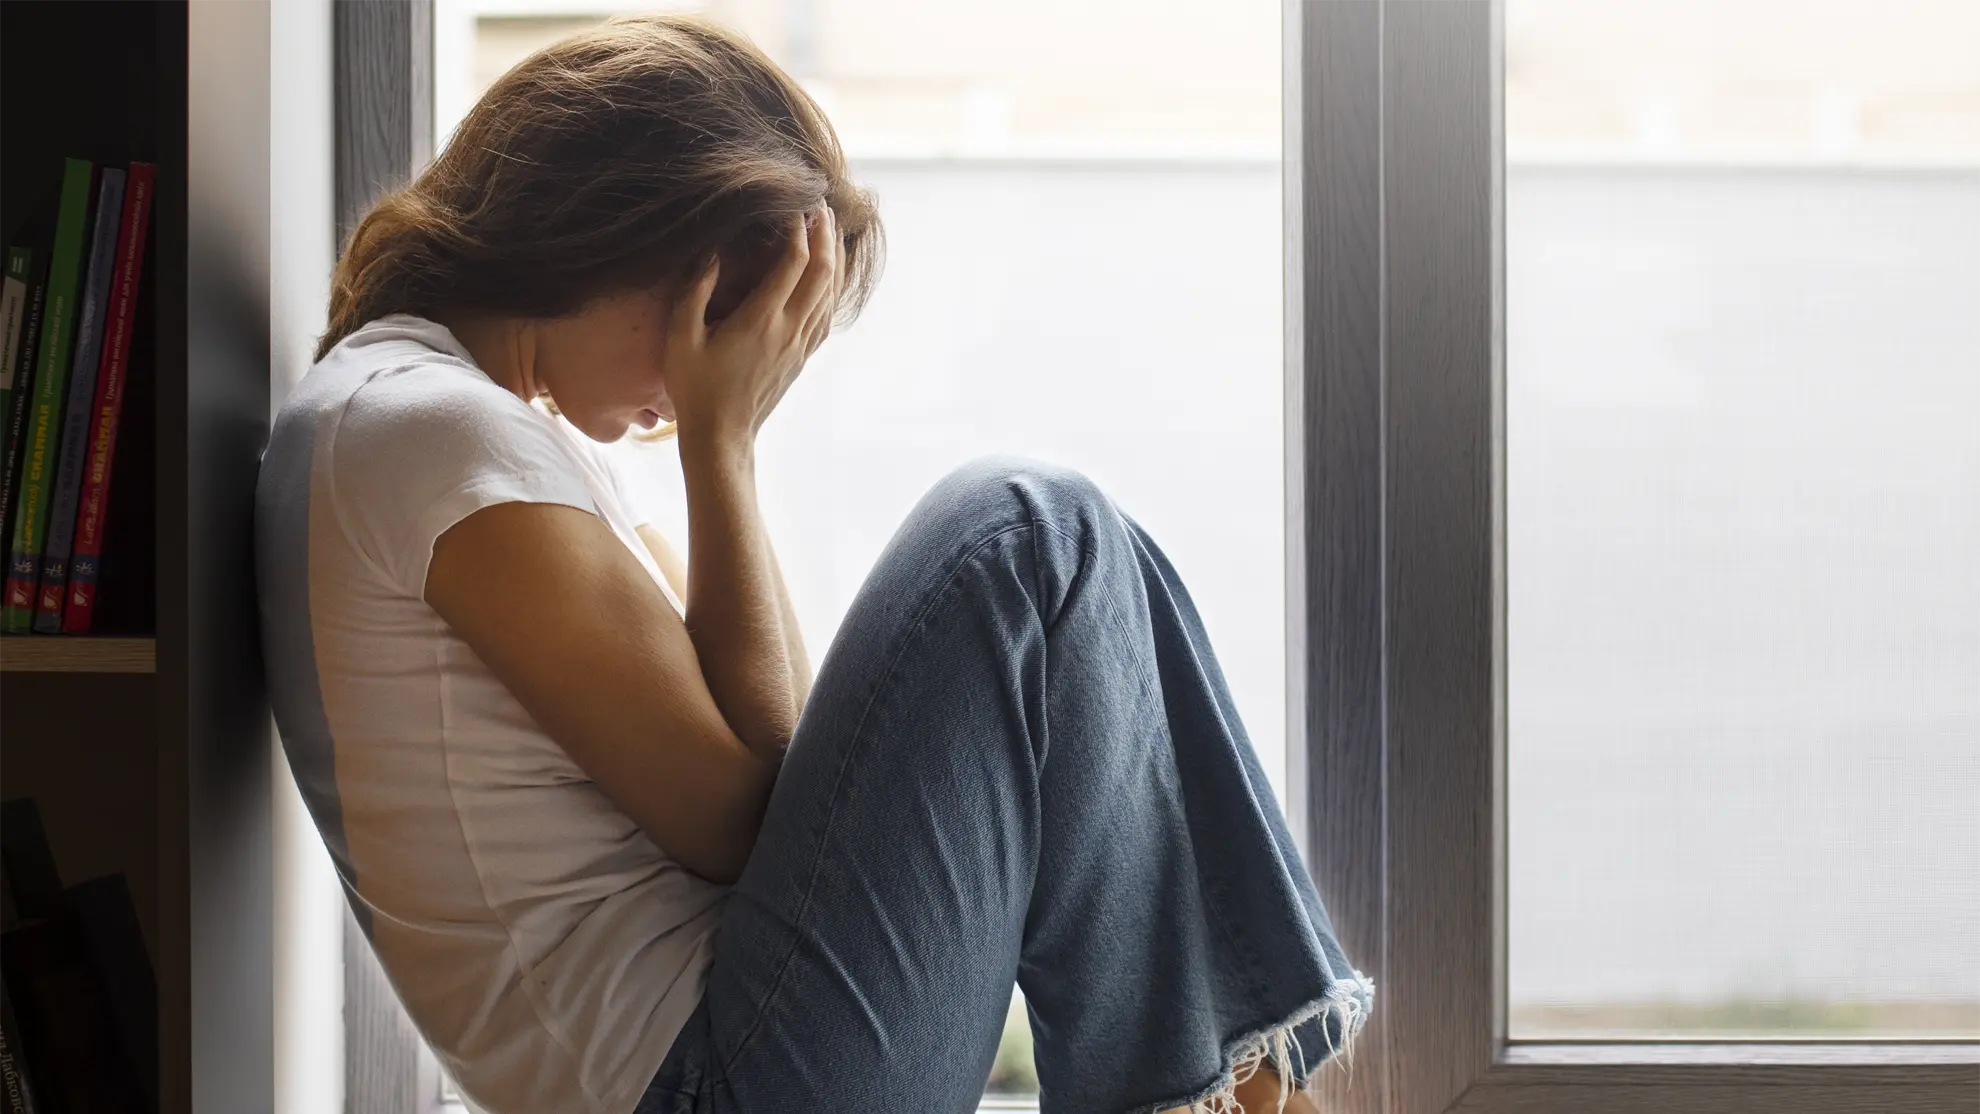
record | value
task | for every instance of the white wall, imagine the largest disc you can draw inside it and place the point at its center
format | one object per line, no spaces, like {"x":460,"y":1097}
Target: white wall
{"x":309,"y":905}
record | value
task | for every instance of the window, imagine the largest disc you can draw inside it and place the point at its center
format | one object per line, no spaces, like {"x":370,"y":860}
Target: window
{"x":1639,"y":496}
{"x":1742,"y":515}
{"x":1084,"y":265}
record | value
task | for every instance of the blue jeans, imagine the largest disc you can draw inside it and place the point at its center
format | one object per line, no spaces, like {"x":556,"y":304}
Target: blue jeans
{"x":1019,"y":762}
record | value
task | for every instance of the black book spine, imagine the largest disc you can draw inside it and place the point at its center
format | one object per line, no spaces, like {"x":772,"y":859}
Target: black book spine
{"x":9,"y":916}
{"x":23,"y":402}
{"x":123,"y":967}
{"x":67,"y":1027}
{"x":16,"y":1079}
{"x":32,"y":878}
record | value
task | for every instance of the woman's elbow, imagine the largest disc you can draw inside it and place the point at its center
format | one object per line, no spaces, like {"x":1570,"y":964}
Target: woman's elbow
{"x":719,"y":859}
{"x":719,"y":843}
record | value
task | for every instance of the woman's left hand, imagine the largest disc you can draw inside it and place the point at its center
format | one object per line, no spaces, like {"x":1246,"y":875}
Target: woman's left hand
{"x":725,"y":379}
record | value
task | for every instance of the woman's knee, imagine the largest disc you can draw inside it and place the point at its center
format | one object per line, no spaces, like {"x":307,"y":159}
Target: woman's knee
{"x":1018,"y":488}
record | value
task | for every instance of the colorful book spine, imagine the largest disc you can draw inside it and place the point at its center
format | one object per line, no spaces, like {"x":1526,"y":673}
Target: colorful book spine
{"x":12,"y":319}
{"x":51,"y":378}
{"x":16,"y":416}
{"x":121,"y":321}
{"x":33,"y":888}
{"x":74,"y":438}
{"x":16,"y":1082}
{"x":68,"y":1028}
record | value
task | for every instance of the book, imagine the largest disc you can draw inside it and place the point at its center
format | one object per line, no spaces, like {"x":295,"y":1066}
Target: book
{"x":16,"y":1080}
{"x":67,"y":1027}
{"x":76,"y":409}
{"x":16,"y":415}
{"x":20,"y":841}
{"x":33,"y":882}
{"x":51,"y":379}
{"x":13,"y":315}
{"x":109,"y":920}
{"x":120,"y":323}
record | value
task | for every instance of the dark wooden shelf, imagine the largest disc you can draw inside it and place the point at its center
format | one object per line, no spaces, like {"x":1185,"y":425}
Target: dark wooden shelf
{"x":56,"y":653}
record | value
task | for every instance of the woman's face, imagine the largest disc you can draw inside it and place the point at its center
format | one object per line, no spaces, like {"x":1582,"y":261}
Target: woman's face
{"x":605,"y":366}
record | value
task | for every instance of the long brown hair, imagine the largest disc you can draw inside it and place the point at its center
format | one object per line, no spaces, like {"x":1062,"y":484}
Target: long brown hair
{"x":618,"y":159}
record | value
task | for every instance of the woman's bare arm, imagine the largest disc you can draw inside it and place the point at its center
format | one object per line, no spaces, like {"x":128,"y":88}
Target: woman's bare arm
{"x":571,"y":623}
{"x":794,"y":652}
{"x":733,"y":610}
{"x":675,"y":570}
{"x":725,"y":380}
{"x":666,"y":556}
{"x":681,"y":724}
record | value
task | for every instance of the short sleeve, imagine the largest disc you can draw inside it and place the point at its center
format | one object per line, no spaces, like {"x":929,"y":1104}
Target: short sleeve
{"x":420,"y":448}
{"x":630,"y":494}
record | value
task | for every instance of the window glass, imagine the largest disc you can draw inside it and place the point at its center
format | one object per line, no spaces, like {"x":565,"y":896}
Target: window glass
{"x":1743,"y":518}
{"x":1082,"y":205}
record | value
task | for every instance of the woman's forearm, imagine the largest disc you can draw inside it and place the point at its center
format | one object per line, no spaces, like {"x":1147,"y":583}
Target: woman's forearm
{"x":736,"y":612}
{"x":794,"y":652}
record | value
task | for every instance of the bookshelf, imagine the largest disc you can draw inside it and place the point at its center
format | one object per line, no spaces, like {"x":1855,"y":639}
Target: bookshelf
{"x":89,"y":654}
{"x":145,"y":747}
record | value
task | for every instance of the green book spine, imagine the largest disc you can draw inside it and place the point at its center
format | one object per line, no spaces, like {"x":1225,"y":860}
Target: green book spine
{"x":51,"y":379}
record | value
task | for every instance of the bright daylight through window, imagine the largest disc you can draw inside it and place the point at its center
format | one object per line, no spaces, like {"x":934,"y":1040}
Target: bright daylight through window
{"x":1084,"y":265}
{"x":1743,"y":518}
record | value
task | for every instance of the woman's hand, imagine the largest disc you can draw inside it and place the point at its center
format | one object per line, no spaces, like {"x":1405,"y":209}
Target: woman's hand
{"x":725,"y":379}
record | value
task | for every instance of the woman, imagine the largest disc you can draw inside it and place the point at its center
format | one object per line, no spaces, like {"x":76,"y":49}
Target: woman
{"x":614,"y":847}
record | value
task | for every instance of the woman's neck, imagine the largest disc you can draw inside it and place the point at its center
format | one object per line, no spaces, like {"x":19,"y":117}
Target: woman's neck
{"x":504,"y":350}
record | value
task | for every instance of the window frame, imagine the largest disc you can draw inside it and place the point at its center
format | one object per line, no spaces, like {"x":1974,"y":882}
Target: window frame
{"x":382,"y":98}
{"x":1395,"y":188}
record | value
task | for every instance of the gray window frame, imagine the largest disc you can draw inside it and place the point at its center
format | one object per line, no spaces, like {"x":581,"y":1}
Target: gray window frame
{"x":1396,"y":598}
{"x":382,"y":59}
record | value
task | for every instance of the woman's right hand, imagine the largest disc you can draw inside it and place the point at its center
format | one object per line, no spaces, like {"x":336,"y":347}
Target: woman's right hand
{"x":725,"y":379}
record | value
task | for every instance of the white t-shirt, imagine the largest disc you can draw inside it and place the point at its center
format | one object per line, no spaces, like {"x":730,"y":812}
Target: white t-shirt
{"x":546,"y":948}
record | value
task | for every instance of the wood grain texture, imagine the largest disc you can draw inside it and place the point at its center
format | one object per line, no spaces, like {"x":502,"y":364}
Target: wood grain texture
{"x":1437,"y":145}
{"x":1717,"y":1072}
{"x":1334,"y":492}
{"x":383,"y":65}
{"x":1397,"y":432}
{"x":381,"y":1047}
{"x":170,"y":235}
{"x":384,"y":100}
{"x":1893,"y":1059}
{"x":67,"y":654}
{"x":1874,"y":1077}
{"x":1808,"y":1096}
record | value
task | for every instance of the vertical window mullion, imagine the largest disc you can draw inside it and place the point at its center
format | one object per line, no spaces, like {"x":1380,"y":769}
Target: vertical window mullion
{"x":1334,"y":477}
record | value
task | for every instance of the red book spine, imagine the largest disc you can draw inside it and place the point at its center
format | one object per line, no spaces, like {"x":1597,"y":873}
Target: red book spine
{"x":85,"y":561}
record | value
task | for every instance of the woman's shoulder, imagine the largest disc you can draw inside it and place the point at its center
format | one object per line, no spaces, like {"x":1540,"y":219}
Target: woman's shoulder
{"x":402,"y":437}
{"x":388,"y":415}
{"x":401,"y":377}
